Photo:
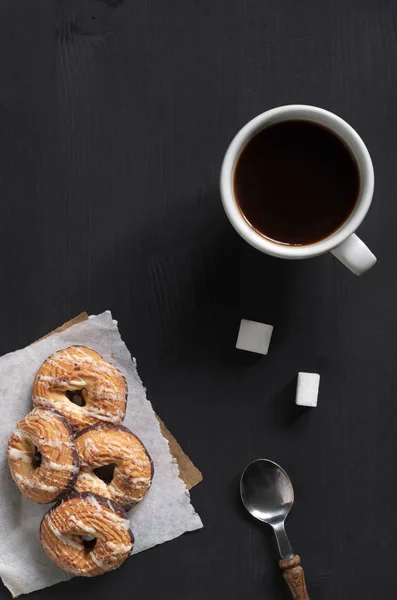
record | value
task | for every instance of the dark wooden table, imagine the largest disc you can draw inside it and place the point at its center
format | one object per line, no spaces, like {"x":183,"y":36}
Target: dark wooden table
{"x":114,"y":118}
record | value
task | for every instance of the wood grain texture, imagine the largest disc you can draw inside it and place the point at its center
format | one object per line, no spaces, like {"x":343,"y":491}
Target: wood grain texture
{"x":295,"y":577}
{"x":114,"y":118}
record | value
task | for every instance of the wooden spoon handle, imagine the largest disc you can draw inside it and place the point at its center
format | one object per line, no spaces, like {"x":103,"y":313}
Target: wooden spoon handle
{"x":295,"y":577}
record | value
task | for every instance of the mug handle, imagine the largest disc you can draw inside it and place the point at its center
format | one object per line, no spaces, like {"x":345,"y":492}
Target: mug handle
{"x":355,"y":255}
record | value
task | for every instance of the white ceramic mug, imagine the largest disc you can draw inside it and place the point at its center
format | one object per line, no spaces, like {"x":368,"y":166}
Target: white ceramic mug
{"x":343,"y":243}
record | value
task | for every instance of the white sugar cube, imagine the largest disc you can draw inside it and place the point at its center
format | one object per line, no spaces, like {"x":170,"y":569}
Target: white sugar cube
{"x":307,"y":389}
{"x":254,"y":336}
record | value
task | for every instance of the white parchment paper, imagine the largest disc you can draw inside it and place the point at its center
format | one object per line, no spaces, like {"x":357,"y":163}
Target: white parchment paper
{"x":164,"y":514}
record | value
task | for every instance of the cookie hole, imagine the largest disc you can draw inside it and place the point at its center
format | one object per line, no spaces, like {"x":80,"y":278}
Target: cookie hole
{"x":105,"y":473}
{"x":88,"y":542}
{"x":76,"y":397}
{"x":37,"y":458}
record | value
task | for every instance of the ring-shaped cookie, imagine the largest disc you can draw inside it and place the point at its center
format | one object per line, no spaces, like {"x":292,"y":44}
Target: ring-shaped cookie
{"x":103,"y":445}
{"x":42,"y":456}
{"x":82,"y":386}
{"x":68,"y":525}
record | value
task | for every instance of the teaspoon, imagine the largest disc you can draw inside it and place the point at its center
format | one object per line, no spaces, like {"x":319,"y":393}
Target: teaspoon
{"x":268,"y":495}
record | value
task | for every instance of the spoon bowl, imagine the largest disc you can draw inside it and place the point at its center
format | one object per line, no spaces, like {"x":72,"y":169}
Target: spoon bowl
{"x":266,"y":491}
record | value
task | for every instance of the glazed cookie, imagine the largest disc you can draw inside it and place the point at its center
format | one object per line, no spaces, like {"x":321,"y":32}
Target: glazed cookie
{"x":81,"y":385}
{"x":86,"y":534}
{"x":117,"y":450}
{"x":42,"y":456}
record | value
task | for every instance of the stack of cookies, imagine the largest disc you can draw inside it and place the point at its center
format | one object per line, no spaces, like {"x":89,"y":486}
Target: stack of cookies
{"x":72,"y":450}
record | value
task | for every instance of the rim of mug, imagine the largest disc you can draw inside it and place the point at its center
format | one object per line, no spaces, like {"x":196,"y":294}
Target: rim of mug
{"x":307,"y":113}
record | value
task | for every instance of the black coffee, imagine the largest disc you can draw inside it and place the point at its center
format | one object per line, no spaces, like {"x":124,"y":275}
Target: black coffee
{"x":296,"y":182}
